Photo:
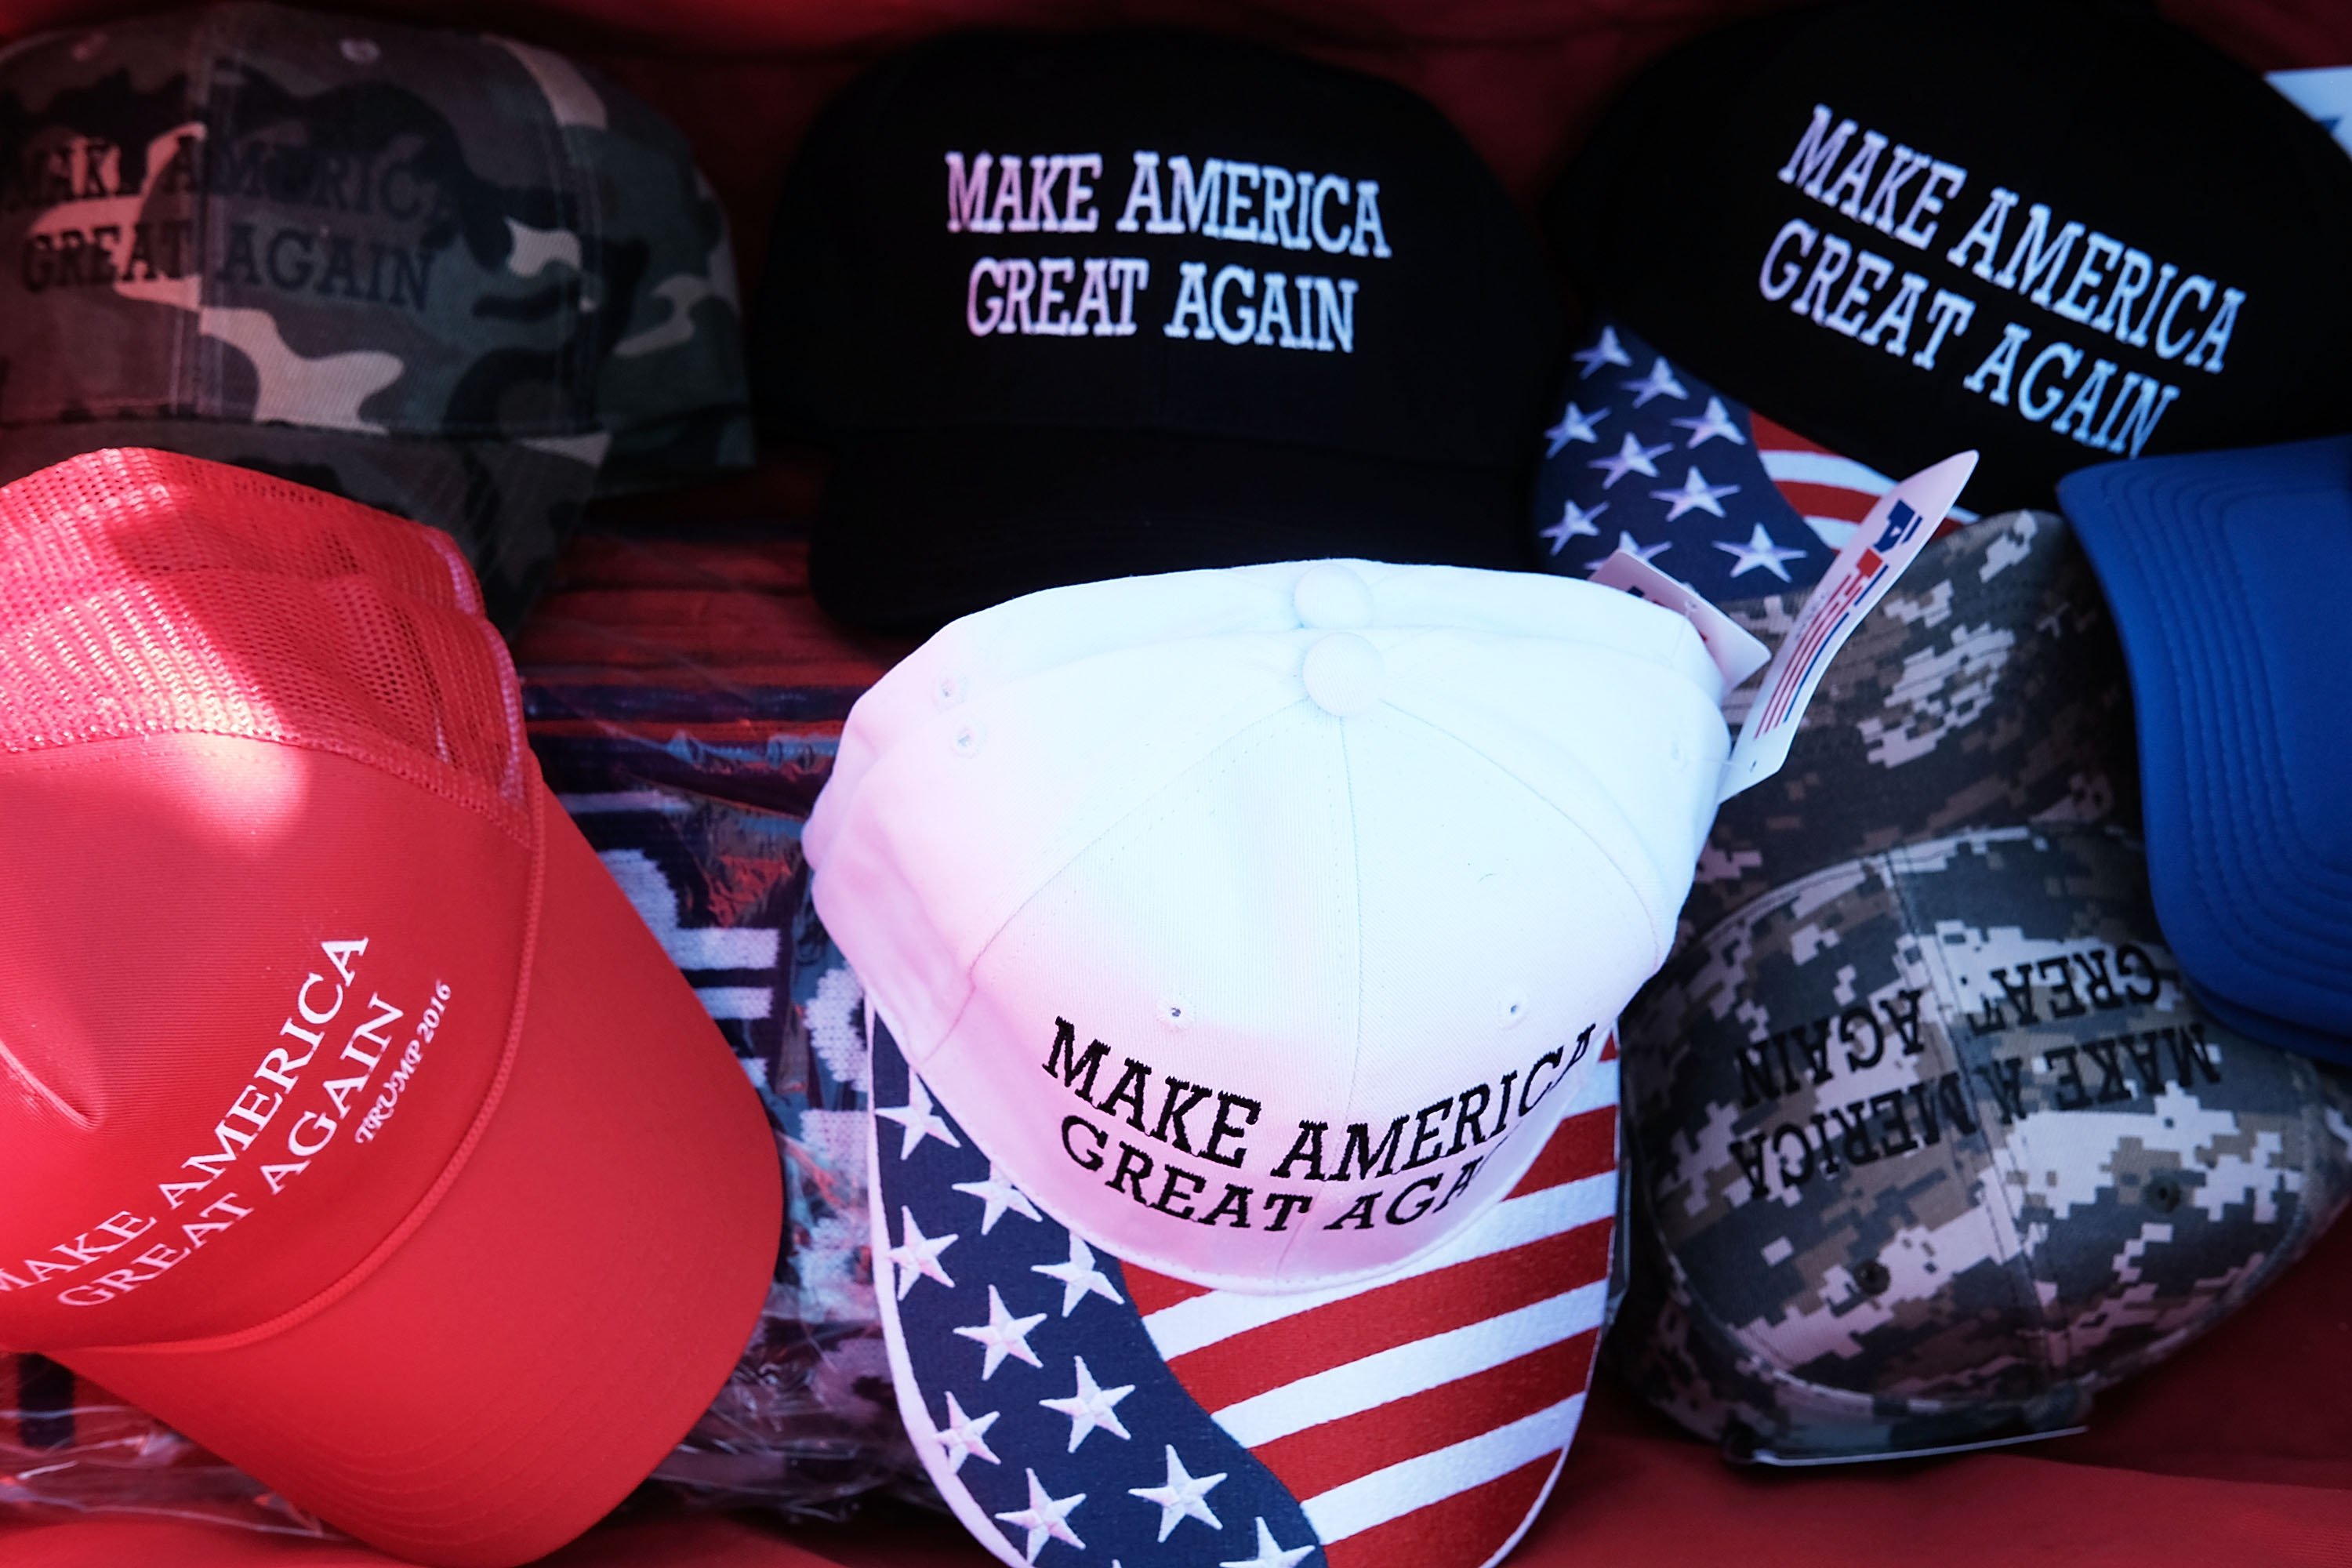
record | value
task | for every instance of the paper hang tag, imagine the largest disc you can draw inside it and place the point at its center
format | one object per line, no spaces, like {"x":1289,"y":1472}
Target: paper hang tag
{"x":1889,"y":539}
{"x":1813,"y":1462}
{"x":1735,"y":649}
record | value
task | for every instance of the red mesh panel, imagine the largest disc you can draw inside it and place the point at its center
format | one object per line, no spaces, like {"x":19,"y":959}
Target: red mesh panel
{"x":150,"y":639}
{"x":140,"y":514}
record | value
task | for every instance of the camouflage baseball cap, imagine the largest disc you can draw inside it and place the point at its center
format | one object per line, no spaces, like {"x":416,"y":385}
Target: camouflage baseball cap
{"x":1988,"y":688}
{"x":1928,"y":1143}
{"x":449,"y":275}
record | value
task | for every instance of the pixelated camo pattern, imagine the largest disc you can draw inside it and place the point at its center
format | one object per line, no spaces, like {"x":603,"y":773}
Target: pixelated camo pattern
{"x":456,"y":276}
{"x":1929,"y":1145}
{"x":1934,"y":1146}
{"x":1987,"y":688}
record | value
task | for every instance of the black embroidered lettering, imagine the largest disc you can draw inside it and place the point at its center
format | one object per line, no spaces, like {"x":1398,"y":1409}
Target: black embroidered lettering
{"x":1064,"y":1061}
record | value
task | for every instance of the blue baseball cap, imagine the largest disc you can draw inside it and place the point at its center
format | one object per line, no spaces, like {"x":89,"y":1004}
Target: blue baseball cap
{"x":2224,"y":571}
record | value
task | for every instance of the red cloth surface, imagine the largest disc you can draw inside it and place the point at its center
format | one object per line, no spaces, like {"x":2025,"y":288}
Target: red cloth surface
{"x":2238,"y":1452}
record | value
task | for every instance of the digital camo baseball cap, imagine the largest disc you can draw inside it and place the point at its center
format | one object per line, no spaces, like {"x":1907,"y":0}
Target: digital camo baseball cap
{"x":372,"y":1140}
{"x":1243,"y":948}
{"x":448,"y":275}
{"x":1069,"y":307}
{"x":1929,"y":1142}
{"x":2223,"y":569}
{"x":2129,"y":247}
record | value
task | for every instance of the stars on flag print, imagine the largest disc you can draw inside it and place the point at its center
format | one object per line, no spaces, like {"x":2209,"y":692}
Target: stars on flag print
{"x":1645,"y":456}
{"x":1077,"y":1410}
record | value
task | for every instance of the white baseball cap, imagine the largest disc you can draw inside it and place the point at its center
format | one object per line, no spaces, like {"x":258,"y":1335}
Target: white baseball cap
{"x":1242,"y":948}
{"x":1261,"y":923}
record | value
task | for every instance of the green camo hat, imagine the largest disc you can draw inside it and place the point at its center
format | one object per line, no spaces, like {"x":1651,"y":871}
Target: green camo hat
{"x":449,"y":275}
{"x":1928,"y":1143}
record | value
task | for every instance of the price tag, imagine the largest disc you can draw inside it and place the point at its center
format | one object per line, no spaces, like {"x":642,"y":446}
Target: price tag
{"x":1889,"y":539}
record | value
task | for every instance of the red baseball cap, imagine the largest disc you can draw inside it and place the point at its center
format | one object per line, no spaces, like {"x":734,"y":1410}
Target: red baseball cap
{"x":351,"y":1120}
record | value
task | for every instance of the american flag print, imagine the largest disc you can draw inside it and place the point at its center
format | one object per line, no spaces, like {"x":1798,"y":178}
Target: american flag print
{"x":1645,"y":456}
{"x":1077,"y":1411}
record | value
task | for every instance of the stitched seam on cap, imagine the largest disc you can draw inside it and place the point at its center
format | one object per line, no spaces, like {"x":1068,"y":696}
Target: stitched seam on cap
{"x":204,"y":398}
{"x":1164,"y":807}
{"x":2206,"y":687}
{"x":2016,"y":1269}
{"x":549,"y":132}
{"x":1356,"y":1061}
{"x":1660,"y":942}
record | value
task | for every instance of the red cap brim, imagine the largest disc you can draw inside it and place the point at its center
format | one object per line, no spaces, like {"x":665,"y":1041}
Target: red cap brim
{"x":559,"y":1318}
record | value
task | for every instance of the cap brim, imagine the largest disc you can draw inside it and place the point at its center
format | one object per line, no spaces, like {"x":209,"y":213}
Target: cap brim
{"x":550,"y":1327}
{"x":919,"y":527}
{"x":2271,"y":1029}
{"x":509,"y":506}
{"x":2224,"y":574}
{"x":1418,"y":1418}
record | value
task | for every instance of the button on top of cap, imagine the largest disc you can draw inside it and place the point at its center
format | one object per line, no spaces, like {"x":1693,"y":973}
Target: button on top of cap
{"x":1329,"y":595}
{"x":1343,"y":674}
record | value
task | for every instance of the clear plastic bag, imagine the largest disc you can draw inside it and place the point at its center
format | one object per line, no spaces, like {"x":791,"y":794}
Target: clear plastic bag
{"x":68,"y":1446}
{"x":807,"y":1422}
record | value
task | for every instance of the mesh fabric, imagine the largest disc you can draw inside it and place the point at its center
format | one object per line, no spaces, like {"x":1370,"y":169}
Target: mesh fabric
{"x":185,"y":597}
{"x":137,"y":512}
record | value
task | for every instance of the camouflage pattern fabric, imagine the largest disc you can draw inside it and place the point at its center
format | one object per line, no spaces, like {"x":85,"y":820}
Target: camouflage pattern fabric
{"x":1934,"y":1146}
{"x":1988,"y":689}
{"x":453,"y":276}
{"x":1928,"y":1143}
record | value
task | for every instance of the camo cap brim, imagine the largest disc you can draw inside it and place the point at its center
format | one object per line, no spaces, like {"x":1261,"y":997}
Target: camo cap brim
{"x":251,"y":217}
{"x":1933,"y":1145}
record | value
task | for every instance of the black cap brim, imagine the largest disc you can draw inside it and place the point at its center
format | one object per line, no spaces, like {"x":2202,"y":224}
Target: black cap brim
{"x":922,"y":526}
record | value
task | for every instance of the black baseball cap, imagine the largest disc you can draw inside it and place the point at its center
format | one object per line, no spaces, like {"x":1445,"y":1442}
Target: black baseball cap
{"x":1069,"y":307}
{"x":2057,"y":231}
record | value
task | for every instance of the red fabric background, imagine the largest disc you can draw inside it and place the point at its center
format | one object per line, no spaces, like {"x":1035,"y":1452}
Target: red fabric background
{"x":2238,"y":1452}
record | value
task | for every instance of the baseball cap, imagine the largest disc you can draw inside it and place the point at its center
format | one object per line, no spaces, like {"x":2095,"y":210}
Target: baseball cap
{"x":1929,"y":1142}
{"x":1647,"y":455}
{"x":2220,"y":569}
{"x":353,"y":1112}
{"x":448,"y":275}
{"x":1261,"y":929}
{"x":1987,"y":688}
{"x":1069,"y":308}
{"x":1058,"y":1394}
{"x":2128,"y":248}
